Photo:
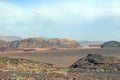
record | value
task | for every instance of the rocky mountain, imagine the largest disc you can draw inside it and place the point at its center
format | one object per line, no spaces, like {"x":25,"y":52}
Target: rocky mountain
{"x":42,"y":43}
{"x":111,"y":44}
{"x":10,"y":38}
{"x":62,"y":43}
{"x":29,"y":43}
{"x":4,"y":43}
{"x":87,"y":43}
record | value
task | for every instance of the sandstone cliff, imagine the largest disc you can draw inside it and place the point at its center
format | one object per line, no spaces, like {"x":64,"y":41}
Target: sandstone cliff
{"x":29,"y":43}
{"x":62,"y":43}
{"x":42,"y":43}
{"x":4,"y":43}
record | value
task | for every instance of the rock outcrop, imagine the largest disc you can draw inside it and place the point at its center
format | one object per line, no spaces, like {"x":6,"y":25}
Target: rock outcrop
{"x":111,"y":44}
{"x":98,"y":62}
{"x":4,"y":43}
{"x":32,"y":43}
{"x":62,"y":43}
{"x":88,"y":43}
{"x":29,"y":43}
{"x":41,"y":43}
{"x":96,"y":67}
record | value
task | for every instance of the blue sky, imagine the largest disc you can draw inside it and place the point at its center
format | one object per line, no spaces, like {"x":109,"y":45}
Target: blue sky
{"x":95,"y":20}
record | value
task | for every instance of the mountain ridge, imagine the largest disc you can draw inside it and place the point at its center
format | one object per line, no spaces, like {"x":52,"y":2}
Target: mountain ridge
{"x":10,"y":38}
{"x":38,"y":42}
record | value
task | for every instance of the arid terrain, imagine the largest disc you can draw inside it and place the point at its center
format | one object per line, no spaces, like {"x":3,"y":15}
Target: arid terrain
{"x":61,"y":64}
{"x":61,"y":58}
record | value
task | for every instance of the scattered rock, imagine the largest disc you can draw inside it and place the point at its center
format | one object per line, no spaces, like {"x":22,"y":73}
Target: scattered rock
{"x":98,"y":62}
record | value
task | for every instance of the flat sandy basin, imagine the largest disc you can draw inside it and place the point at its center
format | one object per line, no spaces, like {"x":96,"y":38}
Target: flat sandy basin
{"x":61,"y":58}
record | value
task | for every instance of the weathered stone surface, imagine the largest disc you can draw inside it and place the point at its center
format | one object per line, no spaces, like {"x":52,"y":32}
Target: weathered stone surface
{"x":63,"y":43}
{"x":97,"y":62}
{"x":32,"y":43}
{"x":4,"y":43}
{"x":41,"y":43}
{"x":29,"y":43}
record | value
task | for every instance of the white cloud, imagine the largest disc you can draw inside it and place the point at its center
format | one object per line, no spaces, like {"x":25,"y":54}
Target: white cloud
{"x":14,"y":18}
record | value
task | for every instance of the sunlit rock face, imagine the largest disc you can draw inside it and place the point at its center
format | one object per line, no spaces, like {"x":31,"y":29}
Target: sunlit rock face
{"x":29,"y":43}
{"x":42,"y":43}
{"x":4,"y":43}
{"x":63,"y":43}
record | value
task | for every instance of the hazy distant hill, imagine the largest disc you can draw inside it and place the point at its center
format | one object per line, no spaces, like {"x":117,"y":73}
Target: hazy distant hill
{"x":111,"y":44}
{"x":10,"y":38}
{"x":87,"y":43}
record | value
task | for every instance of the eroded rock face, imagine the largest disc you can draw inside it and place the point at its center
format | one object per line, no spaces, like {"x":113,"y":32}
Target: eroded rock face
{"x":4,"y":43}
{"x":41,"y":43}
{"x":63,"y":43}
{"x":32,"y":43}
{"x":111,"y":44}
{"x":29,"y":43}
{"x":97,"y":62}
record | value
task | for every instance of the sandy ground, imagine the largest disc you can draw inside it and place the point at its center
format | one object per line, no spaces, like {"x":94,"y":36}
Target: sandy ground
{"x":61,"y":57}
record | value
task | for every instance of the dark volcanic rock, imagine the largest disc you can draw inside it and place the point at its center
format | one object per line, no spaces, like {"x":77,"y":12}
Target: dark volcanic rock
{"x":111,"y":44}
{"x":98,"y":62}
{"x":96,"y":67}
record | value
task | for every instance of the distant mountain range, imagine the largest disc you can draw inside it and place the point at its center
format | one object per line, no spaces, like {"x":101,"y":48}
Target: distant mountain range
{"x":13,"y":42}
{"x":87,"y":43}
{"x":38,"y":42}
{"x":10,"y":38}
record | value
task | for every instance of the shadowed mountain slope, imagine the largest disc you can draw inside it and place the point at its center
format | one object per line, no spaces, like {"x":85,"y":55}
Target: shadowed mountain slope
{"x":111,"y":44}
{"x":10,"y":38}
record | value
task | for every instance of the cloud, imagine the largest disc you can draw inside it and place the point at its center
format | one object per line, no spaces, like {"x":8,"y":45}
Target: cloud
{"x":16,"y":19}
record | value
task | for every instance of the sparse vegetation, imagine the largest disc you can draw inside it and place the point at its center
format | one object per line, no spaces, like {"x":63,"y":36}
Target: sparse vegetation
{"x":60,"y":58}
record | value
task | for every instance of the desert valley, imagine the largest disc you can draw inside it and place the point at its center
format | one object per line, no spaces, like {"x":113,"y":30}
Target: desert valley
{"x":58,"y":59}
{"x":59,"y":40}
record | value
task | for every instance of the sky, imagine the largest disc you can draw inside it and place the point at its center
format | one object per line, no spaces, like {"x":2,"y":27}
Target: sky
{"x":94,"y":20}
